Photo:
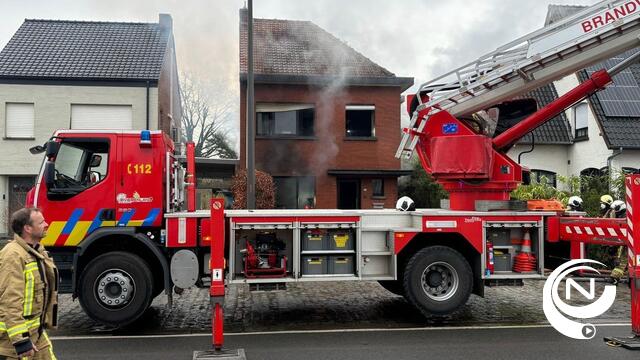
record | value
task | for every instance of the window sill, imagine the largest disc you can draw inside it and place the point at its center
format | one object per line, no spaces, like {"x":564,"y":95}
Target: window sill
{"x":378,"y":197}
{"x":285,"y":137}
{"x":19,"y":138}
{"x":360,"y":138}
{"x":581,"y":138}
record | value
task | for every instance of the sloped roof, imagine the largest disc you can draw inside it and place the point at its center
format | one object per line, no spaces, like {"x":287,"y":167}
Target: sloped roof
{"x":302,"y":50}
{"x":554,"y":131}
{"x":618,"y":132}
{"x":85,"y":50}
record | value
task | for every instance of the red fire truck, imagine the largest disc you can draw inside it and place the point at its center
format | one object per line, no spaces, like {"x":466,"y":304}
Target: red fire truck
{"x":122,"y":230}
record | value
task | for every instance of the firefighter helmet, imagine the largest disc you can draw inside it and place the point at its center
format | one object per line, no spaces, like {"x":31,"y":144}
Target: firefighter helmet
{"x":605,"y":202}
{"x":575,"y":203}
{"x":405,"y":204}
{"x":619,"y":207}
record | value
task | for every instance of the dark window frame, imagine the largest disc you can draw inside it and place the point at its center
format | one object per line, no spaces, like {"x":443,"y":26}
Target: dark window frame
{"x":552,"y":177}
{"x":582,"y":133}
{"x":300,"y":203}
{"x":304,"y":123}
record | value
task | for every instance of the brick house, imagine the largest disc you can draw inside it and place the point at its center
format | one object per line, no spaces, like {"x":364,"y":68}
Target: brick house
{"x":57,"y":74}
{"x":327,"y":117}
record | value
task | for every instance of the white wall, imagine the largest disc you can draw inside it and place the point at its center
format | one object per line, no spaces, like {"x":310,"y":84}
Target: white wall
{"x":591,"y":153}
{"x":544,"y":157}
{"x":53,"y":111}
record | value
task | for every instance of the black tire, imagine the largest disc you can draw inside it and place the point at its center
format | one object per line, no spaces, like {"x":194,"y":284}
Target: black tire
{"x":122,"y":279}
{"x":393,"y":286}
{"x":447,"y":279}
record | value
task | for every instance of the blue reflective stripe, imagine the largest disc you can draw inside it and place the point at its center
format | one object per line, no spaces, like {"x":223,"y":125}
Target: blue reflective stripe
{"x":96,"y":222}
{"x":75,"y":216}
{"x":126,"y":217}
{"x":153,"y":214}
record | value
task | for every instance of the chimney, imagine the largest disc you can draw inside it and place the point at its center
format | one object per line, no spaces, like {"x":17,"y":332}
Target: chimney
{"x":166,"y":22}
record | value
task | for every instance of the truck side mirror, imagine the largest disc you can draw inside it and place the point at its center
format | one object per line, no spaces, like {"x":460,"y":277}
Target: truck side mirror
{"x":95,"y":160}
{"x":49,"y":173}
{"x":52,"y":148}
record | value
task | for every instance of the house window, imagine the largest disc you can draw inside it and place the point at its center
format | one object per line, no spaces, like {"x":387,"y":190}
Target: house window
{"x":295,"y":192}
{"x":20,"y":120}
{"x":360,"y":121}
{"x":544,"y":176}
{"x":581,"y":121}
{"x":284,"y":120}
{"x":378,"y":187}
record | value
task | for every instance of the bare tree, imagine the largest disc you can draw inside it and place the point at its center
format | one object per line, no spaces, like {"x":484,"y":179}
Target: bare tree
{"x":205,"y":113}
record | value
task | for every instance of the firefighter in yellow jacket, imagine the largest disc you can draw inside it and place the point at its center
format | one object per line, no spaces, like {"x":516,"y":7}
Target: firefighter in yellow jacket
{"x":28,"y":290}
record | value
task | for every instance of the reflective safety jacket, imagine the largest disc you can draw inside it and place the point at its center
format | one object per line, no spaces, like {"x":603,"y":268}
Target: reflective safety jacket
{"x":28,"y":297}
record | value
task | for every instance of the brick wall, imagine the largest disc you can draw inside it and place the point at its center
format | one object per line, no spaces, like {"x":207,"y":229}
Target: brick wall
{"x":330,"y":149}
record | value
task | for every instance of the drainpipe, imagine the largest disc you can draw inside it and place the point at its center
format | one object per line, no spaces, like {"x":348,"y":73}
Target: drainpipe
{"x":148,"y":105}
{"x":609,"y":161}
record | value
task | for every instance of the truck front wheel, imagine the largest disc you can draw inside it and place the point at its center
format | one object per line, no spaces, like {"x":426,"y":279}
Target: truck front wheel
{"x":116,"y":288}
{"x":438,"y":280}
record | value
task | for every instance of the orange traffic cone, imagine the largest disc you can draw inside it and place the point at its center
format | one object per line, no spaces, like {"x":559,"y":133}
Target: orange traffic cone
{"x":525,"y":261}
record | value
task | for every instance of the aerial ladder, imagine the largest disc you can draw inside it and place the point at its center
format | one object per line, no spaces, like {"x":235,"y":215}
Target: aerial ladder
{"x":590,"y":36}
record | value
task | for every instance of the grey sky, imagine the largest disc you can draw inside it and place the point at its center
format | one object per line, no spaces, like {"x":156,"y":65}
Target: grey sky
{"x":416,"y":38}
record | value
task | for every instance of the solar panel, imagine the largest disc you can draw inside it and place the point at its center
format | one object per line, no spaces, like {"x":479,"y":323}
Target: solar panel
{"x":622,"y":98}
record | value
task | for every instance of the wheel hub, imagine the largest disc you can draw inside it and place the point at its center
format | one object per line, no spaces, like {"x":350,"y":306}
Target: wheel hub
{"x":114,"y":288}
{"x":440,"y":281}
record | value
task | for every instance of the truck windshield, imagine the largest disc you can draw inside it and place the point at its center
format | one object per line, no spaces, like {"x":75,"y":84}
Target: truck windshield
{"x":81,"y":163}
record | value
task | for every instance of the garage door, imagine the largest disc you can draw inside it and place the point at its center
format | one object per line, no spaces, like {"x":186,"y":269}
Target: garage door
{"x":94,"y":117}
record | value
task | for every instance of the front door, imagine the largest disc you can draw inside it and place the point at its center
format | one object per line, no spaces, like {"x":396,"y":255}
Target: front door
{"x":348,"y":194}
{"x":18,"y":188}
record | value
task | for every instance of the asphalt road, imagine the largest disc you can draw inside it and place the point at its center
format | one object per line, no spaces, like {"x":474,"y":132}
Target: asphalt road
{"x":534,"y":343}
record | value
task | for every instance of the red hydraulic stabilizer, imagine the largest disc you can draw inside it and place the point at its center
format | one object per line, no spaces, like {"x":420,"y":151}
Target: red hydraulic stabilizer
{"x":217,"y":265}
{"x":190,"y":178}
{"x":471,"y":166}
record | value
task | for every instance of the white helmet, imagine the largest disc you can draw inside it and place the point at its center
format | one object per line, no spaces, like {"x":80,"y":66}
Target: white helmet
{"x":575,"y":203}
{"x":618,"y":206}
{"x":405,"y":204}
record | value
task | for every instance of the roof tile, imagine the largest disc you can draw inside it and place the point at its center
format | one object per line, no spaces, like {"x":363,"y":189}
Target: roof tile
{"x":85,"y":50}
{"x":288,"y":47}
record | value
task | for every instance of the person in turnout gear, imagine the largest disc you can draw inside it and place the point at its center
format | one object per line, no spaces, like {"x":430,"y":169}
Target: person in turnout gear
{"x":605,"y":206}
{"x":619,"y":209}
{"x":28,"y":290}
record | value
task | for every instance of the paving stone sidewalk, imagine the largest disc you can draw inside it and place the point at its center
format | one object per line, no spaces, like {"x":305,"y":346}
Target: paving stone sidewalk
{"x":328,"y":305}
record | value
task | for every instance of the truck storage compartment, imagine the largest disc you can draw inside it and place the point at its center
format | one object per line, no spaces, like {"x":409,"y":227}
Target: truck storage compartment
{"x":516,"y":249}
{"x":264,"y":253}
{"x":314,"y":239}
{"x":315,"y":265}
{"x":341,"y":265}
{"x":341,"y":239}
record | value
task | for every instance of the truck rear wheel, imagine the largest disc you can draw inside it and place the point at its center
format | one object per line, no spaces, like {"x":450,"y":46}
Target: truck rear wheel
{"x":438,"y":280}
{"x":116,"y":288}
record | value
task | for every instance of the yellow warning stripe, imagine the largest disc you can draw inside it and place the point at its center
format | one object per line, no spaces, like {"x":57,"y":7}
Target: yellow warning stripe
{"x":53,"y":232}
{"x":29,"y":280}
{"x":79,"y":231}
